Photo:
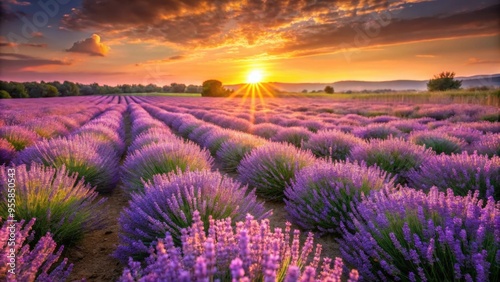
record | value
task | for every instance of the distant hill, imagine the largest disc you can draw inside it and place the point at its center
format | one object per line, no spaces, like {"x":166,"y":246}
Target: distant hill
{"x":356,"y":85}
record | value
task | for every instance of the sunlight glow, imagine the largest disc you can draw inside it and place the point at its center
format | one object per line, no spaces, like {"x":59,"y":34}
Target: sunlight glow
{"x":255,"y":76}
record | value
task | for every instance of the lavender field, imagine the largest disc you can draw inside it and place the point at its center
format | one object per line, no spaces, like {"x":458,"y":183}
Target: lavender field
{"x":151,"y":188}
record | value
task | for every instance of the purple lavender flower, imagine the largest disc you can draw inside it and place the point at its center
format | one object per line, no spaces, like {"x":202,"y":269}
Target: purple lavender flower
{"x":322,"y":195}
{"x":213,"y":139}
{"x":19,"y":137}
{"x":36,"y":264}
{"x":62,"y":205}
{"x":489,"y":145}
{"x":376,"y":131}
{"x":271,"y":167}
{"x":460,"y":172}
{"x":265,"y":130}
{"x":232,"y":151}
{"x":394,"y":155}
{"x":438,"y":141}
{"x":293,"y":135}
{"x":96,"y":163}
{"x":7,"y":151}
{"x":251,"y":252}
{"x":140,"y":166}
{"x":332,"y":144}
{"x":408,"y":234}
{"x":168,"y":203}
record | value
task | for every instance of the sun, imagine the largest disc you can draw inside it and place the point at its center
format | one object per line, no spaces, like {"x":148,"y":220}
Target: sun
{"x":255,"y":76}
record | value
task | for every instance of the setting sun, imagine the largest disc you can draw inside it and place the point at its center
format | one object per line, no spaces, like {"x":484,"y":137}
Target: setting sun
{"x":255,"y":76}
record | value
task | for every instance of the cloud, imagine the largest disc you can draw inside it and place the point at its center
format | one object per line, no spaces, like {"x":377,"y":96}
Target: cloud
{"x":18,"y":62}
{"x":91,"y":46}
{"x":294,"y":27}
{"x":425,"y":56}
{"x":162,"y":61}
{"x":476,"y":61}
{"x":13,"y":44}
{"x":18,"y":3}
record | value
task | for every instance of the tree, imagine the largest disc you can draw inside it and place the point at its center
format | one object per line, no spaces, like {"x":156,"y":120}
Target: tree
{"x":213,"y":88}
{"x":4,"y":94}
{"x":444,"y":81}
{"x":177,"y":88}
{"x":304,"y":91}
{"x":50,"y":91}
{"x":329,"y":90}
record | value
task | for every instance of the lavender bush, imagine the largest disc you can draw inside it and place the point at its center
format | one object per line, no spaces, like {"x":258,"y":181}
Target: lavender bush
{"x":7,"y":151}
{"x":93,"y":161}
{"x":322,"y":195}
{"x":413,"y":236}
{"x":36,"y":264}
{"x":153,"y":136}
{"x":213,"y":139}
{"x":270,"y":168}
{"x":293,"y":135}
{"x":232,"y":151}
{"x":376,"y":131}
{"x":439,"y":142}
{"x":252,"y":252}
{"x":140,"y":166}
{"x":332,"y":144}
{"x":394,"y":155}
{"x":461,"y":172}
{"x":265,"y":130}
{"x":489,"y":145}
{"x":168,"y":203}
{"x":19,"y":137}
{"x":63,"y":206}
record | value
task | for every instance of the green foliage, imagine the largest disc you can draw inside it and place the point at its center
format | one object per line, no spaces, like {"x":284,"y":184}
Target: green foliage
{"x":213,"y":88}
{"x":329,"y":90}
{"x":15,"y":89}
{"x":444,"y":81}
{"x":4,"y":94}
{"x":50,"y":91}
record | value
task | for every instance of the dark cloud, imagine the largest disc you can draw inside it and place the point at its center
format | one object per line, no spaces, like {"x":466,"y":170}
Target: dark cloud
{"x":18,"y":62}
{"x":300,"y":27}
{"x":91,"y":46}
{"x":13,"y":44}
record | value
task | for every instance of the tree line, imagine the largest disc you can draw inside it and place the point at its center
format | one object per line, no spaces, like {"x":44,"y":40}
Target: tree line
{"x":55,"y":89}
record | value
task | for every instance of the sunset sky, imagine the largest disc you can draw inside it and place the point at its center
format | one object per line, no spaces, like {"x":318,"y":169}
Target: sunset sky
{"x":189,"y":41}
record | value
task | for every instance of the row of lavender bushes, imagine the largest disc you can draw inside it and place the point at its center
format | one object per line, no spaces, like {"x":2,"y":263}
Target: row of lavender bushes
{"x":56,"y":183}
{"x":14,"y":138}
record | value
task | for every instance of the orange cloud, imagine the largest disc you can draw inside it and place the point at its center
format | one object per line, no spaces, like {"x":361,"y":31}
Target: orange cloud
{"x":91,"y":46}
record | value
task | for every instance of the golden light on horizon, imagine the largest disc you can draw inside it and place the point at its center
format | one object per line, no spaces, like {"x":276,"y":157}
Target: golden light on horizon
{"x":255,"y":76}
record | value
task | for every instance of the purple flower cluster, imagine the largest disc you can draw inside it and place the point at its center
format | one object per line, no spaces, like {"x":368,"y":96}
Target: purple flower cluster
{"x":36,"y":264}
{"x":332,"y":144}
{"x":322,"y":195}
{"x":461,"y":172}
{"x":293,"y":135}
{"x":489,"y":145}
{"x":270,"y":168}
{"x":376,"y":131}
{"x":96,"y":163}
{"x":438,"y":141}
{"x":141,"y":165}
{"x":19,"y":137}
{"x":7,"y":151}
{"x":409,"y":235}
{"x":394,"y":155}
{"x":63,"y":206}
{"x":232,"y":151}
{"x":169,"y":201}
{"x":250,"y":252}
{"x":265,"y":130}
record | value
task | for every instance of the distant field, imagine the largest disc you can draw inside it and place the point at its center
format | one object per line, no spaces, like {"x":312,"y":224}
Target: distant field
{"x":163,"y":94}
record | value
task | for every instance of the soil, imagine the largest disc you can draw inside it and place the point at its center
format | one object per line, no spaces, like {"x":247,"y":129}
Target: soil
{"x":92,"y":256}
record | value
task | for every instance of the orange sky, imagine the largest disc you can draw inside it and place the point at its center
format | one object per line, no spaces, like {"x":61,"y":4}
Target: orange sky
{"x":152,"y":41}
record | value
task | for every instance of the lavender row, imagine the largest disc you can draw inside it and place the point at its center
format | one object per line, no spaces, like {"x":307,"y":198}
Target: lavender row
{"x":93,"y":151}
{"x":169,"y":179}
{"x":16,"y":138}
